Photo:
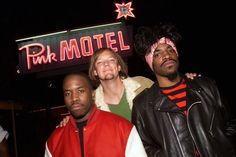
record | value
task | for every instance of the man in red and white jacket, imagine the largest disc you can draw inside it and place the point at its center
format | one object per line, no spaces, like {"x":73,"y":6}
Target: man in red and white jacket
{"x":91,"y":132}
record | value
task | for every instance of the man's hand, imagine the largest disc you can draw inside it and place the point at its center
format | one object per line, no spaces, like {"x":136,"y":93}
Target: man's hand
{"x":64,"y":121}
{"x":192,"y":75}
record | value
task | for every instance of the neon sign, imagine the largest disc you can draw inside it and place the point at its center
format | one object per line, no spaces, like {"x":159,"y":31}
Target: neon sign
{"x":69,"y":48}
{"x":124,"y":10}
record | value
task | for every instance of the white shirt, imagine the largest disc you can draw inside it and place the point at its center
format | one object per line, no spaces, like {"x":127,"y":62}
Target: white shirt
{"x":3,"y":134}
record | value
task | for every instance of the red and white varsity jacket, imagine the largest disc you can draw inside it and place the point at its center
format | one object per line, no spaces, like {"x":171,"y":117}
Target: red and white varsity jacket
{"x":105,"y":135}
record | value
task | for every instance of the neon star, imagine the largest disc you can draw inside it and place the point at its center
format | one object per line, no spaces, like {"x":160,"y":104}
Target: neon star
{"x":124,"y":10}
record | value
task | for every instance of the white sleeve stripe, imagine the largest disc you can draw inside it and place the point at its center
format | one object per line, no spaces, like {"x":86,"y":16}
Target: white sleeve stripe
{"x":134,"y":145}
{"x":47,"y":152}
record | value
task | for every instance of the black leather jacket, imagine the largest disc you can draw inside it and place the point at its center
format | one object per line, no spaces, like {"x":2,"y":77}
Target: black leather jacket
{"x":166,"y":132}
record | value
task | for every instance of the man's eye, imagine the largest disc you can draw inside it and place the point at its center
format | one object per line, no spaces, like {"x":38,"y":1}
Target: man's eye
{"x":156,"y":53}
{"x":81,"y":90}
{"x":171,"y":50}
{"x":98,"y":63}
{"x":66,"y":94}
{"x":112,"y":60}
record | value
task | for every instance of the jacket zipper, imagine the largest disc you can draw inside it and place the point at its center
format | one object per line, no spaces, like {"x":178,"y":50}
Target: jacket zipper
{"x":188,"y":129}
{"x":191,"y":134}
{"x":175,"y":134}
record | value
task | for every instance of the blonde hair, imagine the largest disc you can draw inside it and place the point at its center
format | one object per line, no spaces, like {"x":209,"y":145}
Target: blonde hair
{"x":123,"y":73}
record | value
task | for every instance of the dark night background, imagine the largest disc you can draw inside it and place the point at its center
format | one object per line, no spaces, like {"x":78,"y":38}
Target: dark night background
{"x":207,"y":48}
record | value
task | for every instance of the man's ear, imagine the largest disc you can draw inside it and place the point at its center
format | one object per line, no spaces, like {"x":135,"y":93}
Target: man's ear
{"x":93,"y":95}
{"x":119,"y":68}
{"x":95,"y":73}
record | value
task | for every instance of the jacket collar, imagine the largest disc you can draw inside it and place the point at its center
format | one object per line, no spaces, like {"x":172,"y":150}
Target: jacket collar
{"x":92,"y":118}
{"x":130,"y":86}
{"x":161,"y":103}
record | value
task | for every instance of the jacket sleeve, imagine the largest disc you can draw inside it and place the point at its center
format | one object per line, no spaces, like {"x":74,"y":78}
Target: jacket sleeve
{"x":3,"y":134}
{"x":228,"y":123}
{"x":134,"y":147}
{"x":47,"y":151}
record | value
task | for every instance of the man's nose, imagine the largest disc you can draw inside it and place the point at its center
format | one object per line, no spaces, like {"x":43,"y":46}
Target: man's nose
{"x":165,"y":55}
{"x":75,"y":96}
{"x":106,"y":62}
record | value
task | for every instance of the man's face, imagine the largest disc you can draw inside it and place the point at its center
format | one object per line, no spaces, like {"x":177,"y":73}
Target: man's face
{"x":165,"y":61}
{"x":78,"y":96}
{"x":106,"y":66}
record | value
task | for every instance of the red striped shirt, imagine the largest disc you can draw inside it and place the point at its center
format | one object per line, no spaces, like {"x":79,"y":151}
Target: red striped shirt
{"x":177,"y":94}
